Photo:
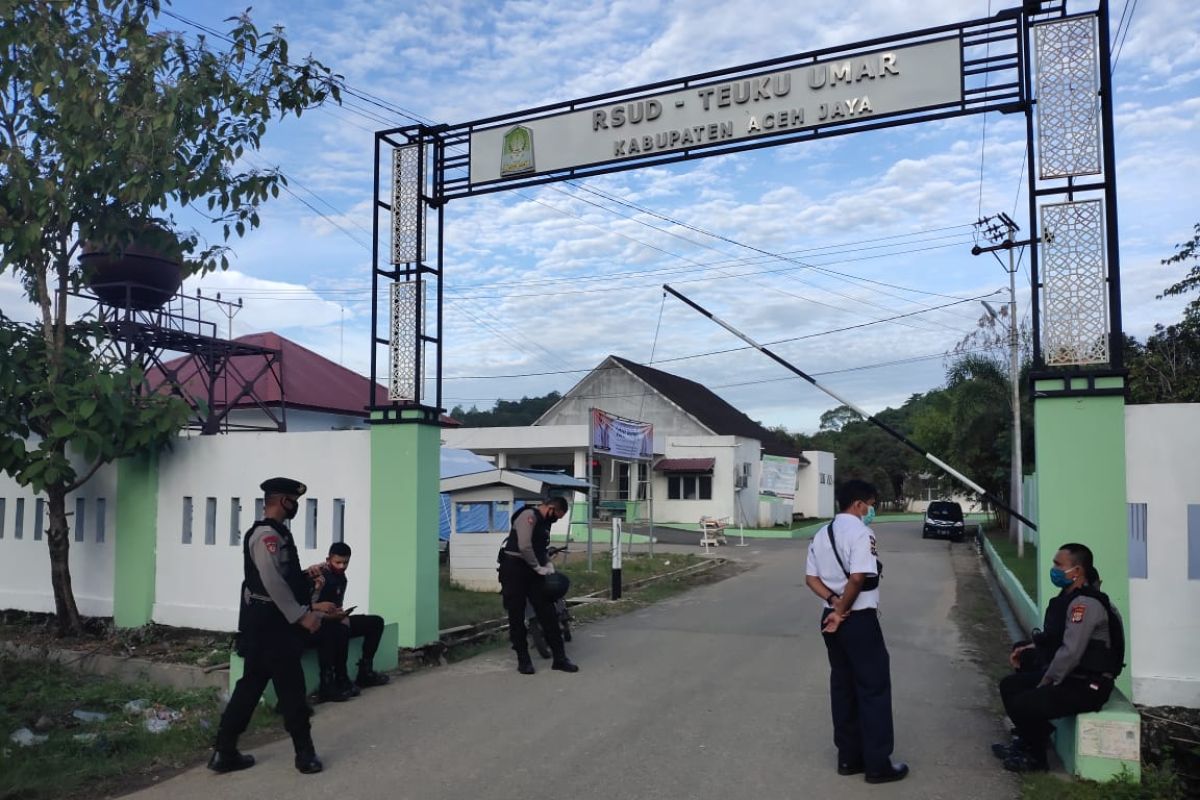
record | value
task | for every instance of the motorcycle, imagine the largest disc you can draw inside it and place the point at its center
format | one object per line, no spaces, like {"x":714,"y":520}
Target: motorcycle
{"x":561,"y":613}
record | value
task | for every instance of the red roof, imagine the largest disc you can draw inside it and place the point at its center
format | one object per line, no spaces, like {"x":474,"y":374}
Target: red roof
{"x":685,"y":465}
{"x":309,"y":381}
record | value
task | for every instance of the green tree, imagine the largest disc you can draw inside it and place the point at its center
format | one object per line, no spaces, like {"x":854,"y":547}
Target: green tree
{"x":1166,"y":369}
{"x":1186,"y":252}
{"x":506,"y":413}
{"x":106,"y":128}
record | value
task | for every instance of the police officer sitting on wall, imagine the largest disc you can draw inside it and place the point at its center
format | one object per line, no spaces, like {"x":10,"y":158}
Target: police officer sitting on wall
{"x":524,"y":564}
{"x":328,"y":582}
{"x":273,"y":624}
{"x":1089,"y":654}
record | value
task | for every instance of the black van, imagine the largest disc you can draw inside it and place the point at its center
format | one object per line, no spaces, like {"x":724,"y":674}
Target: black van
{"x":943,"y":520}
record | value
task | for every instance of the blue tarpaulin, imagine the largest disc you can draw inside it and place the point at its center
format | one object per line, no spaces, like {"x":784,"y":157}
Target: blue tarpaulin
{"x":455,"y":463}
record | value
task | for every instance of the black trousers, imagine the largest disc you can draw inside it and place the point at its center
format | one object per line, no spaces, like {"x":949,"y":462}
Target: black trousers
{"x":333,"y":641}
{"x":860,"y":691}
{"x":518,"y":584}
{"x":269,"y":654}
{"x":1031,"y":708}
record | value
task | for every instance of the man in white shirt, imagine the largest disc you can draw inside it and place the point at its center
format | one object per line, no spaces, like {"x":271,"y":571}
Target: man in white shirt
{"x":843,"y":570}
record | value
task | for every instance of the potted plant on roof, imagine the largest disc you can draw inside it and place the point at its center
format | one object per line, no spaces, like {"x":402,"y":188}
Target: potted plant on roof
{"x":132,"y":260}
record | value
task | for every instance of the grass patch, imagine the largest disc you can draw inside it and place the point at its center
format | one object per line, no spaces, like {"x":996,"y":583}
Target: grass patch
{"x":1025,"y":569}
{"x":116,"y":754}
{"x":460,"y":606}
{"x":634,"y":568}
{"x":1158,"y":783}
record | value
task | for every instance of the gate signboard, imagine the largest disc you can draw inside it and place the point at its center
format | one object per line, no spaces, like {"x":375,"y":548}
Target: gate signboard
{"x":724,"y":110}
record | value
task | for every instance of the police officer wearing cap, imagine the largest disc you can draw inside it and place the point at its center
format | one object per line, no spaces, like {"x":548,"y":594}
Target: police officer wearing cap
{"x":273,"y":625}
{"x":843,"y":570}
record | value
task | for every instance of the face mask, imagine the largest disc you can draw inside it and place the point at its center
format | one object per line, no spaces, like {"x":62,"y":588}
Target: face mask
{"x":870,"y":515}
{"x":291,"y":507}
{"x":1059,"y":578}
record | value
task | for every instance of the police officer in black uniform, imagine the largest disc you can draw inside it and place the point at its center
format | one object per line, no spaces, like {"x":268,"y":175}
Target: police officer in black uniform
{"x":1085,"y":641}
{"x":273,"y":625}
{"x":524,"y":565}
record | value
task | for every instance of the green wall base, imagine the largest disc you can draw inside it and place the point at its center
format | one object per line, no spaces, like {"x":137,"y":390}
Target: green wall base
{"x":1097,"y":756}
{"x":1080,"y":444}
{"x":387,"y":658}
{"x":405,"y":478}
{"x":135,"y":543}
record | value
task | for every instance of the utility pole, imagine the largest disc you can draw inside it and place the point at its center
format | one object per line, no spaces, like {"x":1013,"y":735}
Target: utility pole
{"x":1000,"y":230}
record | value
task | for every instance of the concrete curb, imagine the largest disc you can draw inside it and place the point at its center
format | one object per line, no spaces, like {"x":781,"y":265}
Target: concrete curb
{"x":130,"y":670}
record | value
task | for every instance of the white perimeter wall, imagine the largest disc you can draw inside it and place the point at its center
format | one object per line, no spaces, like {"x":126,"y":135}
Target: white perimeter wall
{"x":26,"y":561}
{"x":197,"y":584}
{"x":814,"y":485}
{"x":1162,"y":447}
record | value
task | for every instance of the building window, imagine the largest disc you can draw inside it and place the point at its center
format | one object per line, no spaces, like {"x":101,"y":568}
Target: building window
{"x":187,"y":521}
{"x":39,"y":512}
{"x":310,"y":525}
{"x":1137,"y":540}
{"x":339,"y":519}
{"x":688,"y":486}
{"x":1193,"y":542}
{"x":210,"y":520}
{"x":482,"y":516}
{"x":80,"y":511}
{"x":235,"y":521}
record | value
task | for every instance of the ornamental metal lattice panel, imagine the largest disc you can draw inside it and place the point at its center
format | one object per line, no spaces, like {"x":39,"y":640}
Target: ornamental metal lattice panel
{"x":402,"y":387}
{"x":1068,"y":101}
{"x":407,"y":244}
{"x":1075,"y":294}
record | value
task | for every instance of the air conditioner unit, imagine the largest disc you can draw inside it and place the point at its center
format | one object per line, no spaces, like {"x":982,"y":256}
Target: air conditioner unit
{"x":741,"y":477}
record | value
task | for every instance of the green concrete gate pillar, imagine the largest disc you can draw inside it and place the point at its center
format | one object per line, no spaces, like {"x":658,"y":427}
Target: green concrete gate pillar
{"x":405,"y":475}
{"x":1079,"y":435}
{"x":135,"y":548}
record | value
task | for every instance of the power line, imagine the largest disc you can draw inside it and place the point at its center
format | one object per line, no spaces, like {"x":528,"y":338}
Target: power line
{"x":787,"y":340}
{"x":756,"y":382}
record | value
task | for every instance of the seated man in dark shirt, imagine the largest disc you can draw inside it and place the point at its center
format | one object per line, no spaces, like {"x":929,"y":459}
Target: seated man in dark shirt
{"x":328,"y":582}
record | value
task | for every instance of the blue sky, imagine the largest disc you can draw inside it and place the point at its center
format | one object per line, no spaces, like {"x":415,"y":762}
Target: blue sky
{"x":538,"y":280}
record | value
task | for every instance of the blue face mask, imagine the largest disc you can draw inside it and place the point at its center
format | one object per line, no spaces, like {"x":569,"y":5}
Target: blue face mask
{"x":870,"y":515}
{"x":1059,"y":578}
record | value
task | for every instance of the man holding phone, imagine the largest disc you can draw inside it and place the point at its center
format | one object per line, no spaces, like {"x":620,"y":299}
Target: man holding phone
{"x":328,"y":582}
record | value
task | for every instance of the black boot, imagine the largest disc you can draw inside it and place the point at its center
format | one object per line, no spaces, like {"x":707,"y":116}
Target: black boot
{"x":368,"y":677}
{"x":307,"y":761}
{"x":346,"y":684}
{"x":329,"y":690}
{"x":524,"y":663}
{"x":229,"y":761}
{"x":561,"y":662}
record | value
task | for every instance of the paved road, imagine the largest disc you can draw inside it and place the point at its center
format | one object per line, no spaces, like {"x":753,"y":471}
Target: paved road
{"x":717,"y":693}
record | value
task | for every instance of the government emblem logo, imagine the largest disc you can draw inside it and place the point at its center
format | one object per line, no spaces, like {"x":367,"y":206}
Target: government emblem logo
{"x":516,"y":156}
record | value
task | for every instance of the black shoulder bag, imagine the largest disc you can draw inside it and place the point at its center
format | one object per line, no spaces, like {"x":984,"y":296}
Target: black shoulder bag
{"x":871,"y":582}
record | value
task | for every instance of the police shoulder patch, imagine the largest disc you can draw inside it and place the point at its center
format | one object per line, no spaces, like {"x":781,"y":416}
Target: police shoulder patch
{"x":272,"y":543}
{"x":1077,"y":612}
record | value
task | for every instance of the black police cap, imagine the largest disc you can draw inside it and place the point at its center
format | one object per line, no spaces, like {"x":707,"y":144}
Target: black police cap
{"x":283,"y":486}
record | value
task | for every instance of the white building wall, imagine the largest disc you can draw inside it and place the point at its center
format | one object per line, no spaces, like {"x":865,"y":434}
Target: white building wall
{"x":197,"y":584}
{"x":26,"y":560}
{"x":299,"y":420}
{"x":725,"y":451}
{"x":814,"y":485}
{"x":1162,"y":447}
{"x":618,"y":392}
